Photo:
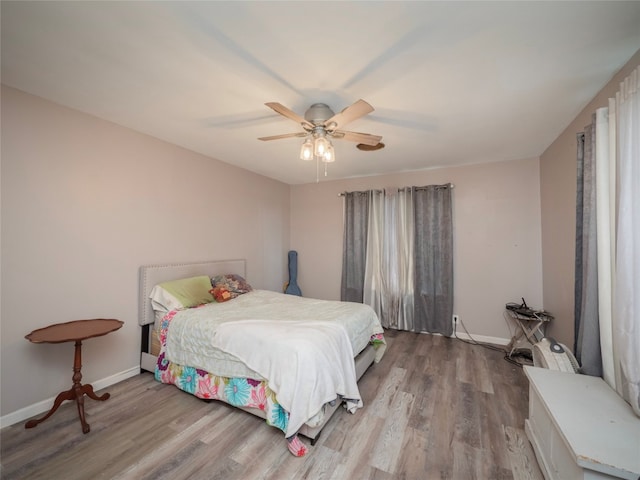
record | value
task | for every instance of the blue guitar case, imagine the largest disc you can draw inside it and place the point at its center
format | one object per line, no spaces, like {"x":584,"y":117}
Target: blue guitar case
{"x":292,"y":286}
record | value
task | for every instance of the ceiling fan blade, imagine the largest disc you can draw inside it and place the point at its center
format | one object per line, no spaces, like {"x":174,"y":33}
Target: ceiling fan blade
{"x":357,"y":137}
{"x":349,"y":114}
{"x":284,"y":135}
{"x":290,"y":114}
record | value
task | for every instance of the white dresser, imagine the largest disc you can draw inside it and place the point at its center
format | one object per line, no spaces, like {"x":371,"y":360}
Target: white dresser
{"x":580,"y":428}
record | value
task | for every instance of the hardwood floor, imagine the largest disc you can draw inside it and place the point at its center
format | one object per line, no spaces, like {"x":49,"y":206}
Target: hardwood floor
{"x":435,"y":408}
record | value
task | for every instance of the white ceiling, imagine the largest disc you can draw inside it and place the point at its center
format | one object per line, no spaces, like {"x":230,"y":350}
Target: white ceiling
{"x":452,"y":83}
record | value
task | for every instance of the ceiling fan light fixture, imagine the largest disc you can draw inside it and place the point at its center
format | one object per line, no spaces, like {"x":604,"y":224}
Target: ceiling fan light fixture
{"x":306,"y":152}
{"x":330,"y":155}
{"x":320,"y":145}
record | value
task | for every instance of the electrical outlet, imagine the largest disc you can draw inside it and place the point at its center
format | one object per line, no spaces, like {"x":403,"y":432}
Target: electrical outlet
{"x":456,"y":319}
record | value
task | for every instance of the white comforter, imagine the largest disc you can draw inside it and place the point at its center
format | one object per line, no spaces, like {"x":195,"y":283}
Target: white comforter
{"x":190,"y":335}
{"x":307,"y":363}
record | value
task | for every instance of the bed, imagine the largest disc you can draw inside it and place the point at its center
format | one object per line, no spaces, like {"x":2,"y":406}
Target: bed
{"x":242,"y":350}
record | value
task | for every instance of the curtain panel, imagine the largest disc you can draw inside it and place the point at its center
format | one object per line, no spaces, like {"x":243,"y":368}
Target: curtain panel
{"x":626,"y":331}
{"x":433,"y":294}
{"x":587,"y":327}
{"x":354,"y":247}
{"x":389,"y":273}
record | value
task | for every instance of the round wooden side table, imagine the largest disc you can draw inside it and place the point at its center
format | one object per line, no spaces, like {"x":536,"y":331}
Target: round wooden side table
{"x":74,"y":331}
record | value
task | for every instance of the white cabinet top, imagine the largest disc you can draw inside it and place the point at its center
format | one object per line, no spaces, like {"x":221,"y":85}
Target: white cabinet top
{"x":597,"y":425}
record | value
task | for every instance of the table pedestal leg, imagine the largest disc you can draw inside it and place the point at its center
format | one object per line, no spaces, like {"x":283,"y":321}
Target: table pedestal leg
{"x":76,"y":392}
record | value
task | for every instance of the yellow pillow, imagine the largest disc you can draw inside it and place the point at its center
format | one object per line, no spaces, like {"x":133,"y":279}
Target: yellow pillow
{"x":181,"y":294}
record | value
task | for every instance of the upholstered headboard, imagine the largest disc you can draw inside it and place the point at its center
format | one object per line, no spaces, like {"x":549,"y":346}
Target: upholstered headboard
{"x":151,"y":275}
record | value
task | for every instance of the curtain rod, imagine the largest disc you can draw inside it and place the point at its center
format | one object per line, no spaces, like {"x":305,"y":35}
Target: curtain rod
{"x":450,"y":185}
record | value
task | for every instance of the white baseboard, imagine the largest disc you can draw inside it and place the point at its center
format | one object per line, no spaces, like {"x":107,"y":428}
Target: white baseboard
{"x":45,"y":405}
{"x":477,"y":338}
{"x":483,"y":339}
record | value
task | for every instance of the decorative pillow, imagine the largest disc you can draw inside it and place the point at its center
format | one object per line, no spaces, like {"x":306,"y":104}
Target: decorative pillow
{"x":221,"y":294}
{"x":181,"y":294}
{"x":235,"y":284}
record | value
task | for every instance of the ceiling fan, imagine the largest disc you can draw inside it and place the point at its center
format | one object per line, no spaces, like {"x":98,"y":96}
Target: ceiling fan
{"x":320,"y":124}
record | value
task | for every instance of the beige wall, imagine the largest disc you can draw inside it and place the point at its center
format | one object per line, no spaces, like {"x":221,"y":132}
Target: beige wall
{"x":86,"y":202}
{"x":497,"y":255}
{"x":558,"y":194}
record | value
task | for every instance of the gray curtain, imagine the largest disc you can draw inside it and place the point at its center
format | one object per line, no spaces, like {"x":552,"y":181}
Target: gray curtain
{"x":354,"y":248}
{"x":586,"y":321}
{"x":433,"y":252}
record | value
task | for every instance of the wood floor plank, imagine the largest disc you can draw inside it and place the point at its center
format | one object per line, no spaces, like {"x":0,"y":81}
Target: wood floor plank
{"x":492,"y":427}
{"x":434,"y":407}
{"x":356,"y":452}
{"x":389,"y":446}
{"x":521,"y":455}
{"x":467,"y":416}
{"x":481,"y":378}
{"x":466,"y":463}
{"x":413,"y":459}
{"x":387,"y":391}
{"x":422,"y":386}
{"x":442,"y":424}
